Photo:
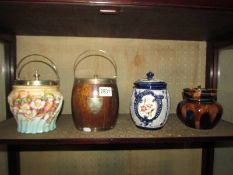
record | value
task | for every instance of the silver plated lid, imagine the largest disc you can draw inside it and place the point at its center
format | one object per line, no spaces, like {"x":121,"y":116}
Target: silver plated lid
{"x":36,"y":82}
{"x":96,"y":80}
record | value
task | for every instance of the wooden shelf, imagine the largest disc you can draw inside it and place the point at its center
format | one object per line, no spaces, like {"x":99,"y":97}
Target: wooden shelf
{"x":184,"y":20}
{"x":204,"y":20}
{"x":125,"y":132}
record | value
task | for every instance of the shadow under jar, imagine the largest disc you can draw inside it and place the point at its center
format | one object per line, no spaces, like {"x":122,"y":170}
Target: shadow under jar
{"x":199,"y":108}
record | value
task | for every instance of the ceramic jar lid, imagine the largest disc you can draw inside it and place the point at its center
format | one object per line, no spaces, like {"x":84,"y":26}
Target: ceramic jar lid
{"x":150,"y":83}
{"x":200,"y":94}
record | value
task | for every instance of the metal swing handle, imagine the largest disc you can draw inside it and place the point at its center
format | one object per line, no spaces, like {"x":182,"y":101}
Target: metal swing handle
{"x":22,"y":64}
{"x":96,"y":53}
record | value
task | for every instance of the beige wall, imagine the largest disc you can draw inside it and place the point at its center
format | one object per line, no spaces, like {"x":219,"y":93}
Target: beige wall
{"x":125,"y":162}
{"x":224,"y":156}
{"x":179,"y":63}
{"x":225,"y":82}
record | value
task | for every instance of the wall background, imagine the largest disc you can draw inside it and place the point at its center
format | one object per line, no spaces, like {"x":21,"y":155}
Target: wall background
{"x":224,"y":156}
{"x":179,"y":63}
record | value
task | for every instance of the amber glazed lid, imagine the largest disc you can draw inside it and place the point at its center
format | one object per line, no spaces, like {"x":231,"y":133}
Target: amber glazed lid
{"x":200,"y":94}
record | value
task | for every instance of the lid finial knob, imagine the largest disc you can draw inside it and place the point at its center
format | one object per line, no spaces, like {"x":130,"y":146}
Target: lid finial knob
{"x":150,"y":75}
{"x":36,"y":75}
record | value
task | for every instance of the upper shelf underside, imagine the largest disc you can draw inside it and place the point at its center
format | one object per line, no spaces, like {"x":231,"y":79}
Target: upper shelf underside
{"x":122,"y":21}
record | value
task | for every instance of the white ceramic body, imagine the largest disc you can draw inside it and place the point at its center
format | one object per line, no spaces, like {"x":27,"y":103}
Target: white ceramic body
{"x":35,"y":108}
{"x":150,"y":108}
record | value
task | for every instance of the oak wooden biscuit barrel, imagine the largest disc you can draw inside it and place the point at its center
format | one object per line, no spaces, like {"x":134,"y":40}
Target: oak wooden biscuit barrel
{"x":95,"y":100}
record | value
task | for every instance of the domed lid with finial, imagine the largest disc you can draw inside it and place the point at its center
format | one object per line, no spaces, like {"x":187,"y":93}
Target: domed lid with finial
{"x":150,"y":83}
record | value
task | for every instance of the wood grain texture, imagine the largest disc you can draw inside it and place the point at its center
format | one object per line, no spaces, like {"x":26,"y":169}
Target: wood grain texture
{"x":92,"y":111}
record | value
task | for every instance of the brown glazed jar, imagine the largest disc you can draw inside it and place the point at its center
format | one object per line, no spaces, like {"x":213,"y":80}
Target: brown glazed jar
{"x":199,"y":108}
{"x":95,"y":100}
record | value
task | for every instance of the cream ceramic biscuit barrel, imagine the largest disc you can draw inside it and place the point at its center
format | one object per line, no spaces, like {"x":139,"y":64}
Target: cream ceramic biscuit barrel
{"x":150,"y":103}
{"x":36,"y":103}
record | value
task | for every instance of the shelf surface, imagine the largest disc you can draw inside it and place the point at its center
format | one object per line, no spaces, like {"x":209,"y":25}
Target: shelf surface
{"x":182,"y":20}
{"x":125,"y":132}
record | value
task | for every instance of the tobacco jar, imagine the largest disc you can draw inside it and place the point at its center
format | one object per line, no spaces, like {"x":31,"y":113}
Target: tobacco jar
{"x":199,"y":108}
{"x":35,"y":103}
{"x":150,"y":103}
{"x":95,"y":100}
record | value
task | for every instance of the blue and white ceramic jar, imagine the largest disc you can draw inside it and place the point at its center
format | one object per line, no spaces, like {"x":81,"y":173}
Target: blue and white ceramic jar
{"x":150,"y":103}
